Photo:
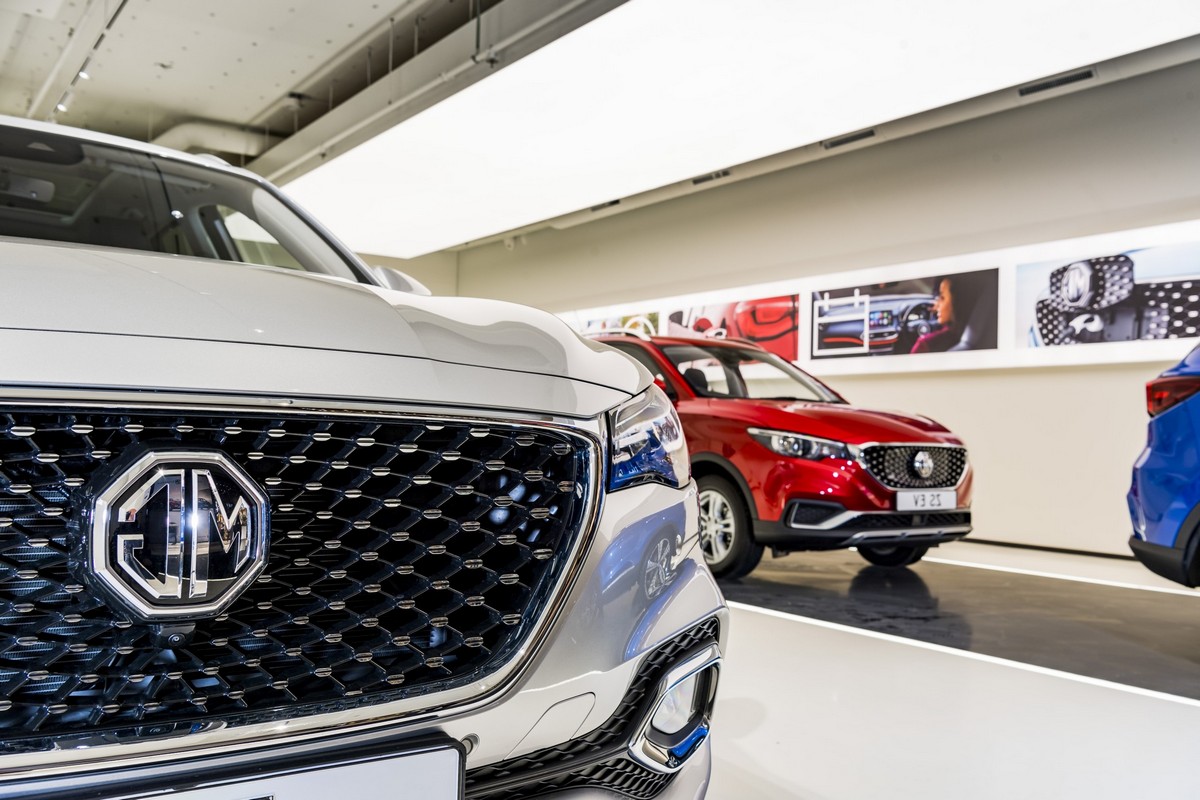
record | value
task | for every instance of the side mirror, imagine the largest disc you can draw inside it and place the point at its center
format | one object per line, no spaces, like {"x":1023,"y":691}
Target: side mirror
{"x":400,"y":281}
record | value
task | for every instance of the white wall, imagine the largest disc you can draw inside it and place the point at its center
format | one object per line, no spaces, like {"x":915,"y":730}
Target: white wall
{"x":1052,"y":447}
{"x":438,"y":271}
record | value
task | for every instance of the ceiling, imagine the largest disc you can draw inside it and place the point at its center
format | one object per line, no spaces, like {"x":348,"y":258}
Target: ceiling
{"x":316,"y":91}
{"x":688,"y":92}
{"x":246,"y":76}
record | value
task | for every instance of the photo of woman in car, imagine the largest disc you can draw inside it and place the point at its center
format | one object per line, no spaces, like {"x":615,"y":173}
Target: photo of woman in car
{"x":953,"y":305}
{"x":921,"y":315}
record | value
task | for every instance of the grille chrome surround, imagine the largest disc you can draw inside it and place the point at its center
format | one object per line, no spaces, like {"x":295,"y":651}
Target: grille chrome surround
{"x":40,"y":523}
{"x":891,"y":465}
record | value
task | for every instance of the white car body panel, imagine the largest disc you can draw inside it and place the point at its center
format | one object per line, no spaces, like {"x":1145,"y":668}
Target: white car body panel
{"x":111,"y":328}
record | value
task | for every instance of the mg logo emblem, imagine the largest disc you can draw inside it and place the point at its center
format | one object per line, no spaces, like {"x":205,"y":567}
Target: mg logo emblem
{"x":179,"y":534}
{"x":1076,"y":287}
{"x":922,"y":464}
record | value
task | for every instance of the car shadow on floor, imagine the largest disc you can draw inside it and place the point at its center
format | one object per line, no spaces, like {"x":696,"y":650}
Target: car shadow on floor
{"x":1138,"y":638}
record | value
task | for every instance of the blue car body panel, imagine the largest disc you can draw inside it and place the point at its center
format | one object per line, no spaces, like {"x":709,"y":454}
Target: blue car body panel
{"x":1164,"y":498}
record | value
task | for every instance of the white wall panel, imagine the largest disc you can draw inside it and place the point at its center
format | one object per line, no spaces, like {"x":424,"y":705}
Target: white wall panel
{"x":1053,"y":446}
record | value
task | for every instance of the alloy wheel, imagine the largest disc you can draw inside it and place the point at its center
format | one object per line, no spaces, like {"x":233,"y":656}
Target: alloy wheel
{"x":717,"y":525}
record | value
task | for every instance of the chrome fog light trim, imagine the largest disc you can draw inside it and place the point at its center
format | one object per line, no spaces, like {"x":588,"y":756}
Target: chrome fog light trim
{"x":681,"y":716}
{"x":677,"y":708}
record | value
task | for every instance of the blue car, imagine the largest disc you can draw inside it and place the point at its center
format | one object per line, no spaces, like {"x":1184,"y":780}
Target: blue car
{"x":1164,"y":500}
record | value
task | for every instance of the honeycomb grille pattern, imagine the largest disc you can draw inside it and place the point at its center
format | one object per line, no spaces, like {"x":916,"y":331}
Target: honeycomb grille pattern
{"x":1164,"y":310}
{"x":1170,"y":310}
{"x":620,"y":775}
{"x":1053,"y":324}
{"x":887,"y":522}
{"x":892,"y":465}
{"x":1111,"y":283}
{"x":594,"y":760}
{"x":407,"y":556}
{"x":802,"y":513}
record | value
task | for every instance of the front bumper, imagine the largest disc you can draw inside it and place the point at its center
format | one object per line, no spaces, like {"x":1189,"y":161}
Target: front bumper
{"x":842,"y":485}
{"x":1178,"y":564}
{"x":843,"y":528}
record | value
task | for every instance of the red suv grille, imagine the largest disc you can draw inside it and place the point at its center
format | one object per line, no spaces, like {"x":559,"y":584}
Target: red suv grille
{"x":893,"y":465}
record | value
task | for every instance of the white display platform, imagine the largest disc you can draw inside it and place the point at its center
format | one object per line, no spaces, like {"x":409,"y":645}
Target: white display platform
{"x":810,"y":710}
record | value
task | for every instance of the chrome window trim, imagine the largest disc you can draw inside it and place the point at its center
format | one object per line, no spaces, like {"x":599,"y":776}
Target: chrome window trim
{"x":80,"y":751}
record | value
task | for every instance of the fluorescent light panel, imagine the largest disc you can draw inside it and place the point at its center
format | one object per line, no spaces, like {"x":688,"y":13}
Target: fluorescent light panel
{"x":659,"y":91}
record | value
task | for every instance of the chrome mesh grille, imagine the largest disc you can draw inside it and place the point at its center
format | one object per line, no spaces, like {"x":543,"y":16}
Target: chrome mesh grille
{"x":892,"y":465}
{"x":407,"y":556}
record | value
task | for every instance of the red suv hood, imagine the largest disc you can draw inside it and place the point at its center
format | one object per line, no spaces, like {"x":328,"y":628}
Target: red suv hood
{"x":836,"y":421}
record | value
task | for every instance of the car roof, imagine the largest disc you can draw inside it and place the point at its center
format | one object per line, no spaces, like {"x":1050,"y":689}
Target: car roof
{"x":83,"y":134}
{"x":613,"y":336}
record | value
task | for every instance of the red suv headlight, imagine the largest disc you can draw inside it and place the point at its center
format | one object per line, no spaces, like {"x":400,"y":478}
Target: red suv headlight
{"x":796,"y":445}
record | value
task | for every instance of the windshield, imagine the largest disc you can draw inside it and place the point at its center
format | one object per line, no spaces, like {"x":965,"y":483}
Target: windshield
{"x":723,"y":371}
{"x":63,"y":189}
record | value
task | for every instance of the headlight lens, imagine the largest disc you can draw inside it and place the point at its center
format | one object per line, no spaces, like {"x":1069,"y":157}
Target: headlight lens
{"x":647,"y":443}
{"x":795,"y":445}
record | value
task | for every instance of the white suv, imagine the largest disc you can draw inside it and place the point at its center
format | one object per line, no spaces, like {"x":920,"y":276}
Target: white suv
{"x":271,"y":528}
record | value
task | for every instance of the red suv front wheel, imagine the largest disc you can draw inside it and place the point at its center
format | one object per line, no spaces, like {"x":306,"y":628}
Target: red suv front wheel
{"x":725,"y":535}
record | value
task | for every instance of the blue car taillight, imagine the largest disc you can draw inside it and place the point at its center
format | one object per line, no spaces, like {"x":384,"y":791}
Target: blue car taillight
{"x":1164,"y":393}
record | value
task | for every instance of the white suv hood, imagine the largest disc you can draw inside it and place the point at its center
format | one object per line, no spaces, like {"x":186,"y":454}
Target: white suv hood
{"x":134,"y":320}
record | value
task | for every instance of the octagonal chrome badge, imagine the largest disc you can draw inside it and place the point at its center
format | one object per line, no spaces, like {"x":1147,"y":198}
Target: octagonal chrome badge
{"x":179,"y":534}
{"x":1077,"y":286}
{"x":923,"y":464}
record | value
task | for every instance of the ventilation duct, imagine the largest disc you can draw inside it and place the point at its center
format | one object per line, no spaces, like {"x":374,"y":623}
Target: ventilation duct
{"x":1054,"y":83}
{"x":213,"y":137}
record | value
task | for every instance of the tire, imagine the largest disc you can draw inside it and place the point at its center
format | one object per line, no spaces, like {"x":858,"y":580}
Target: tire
{"x":892,"y":555}
{"x":725,"y":536}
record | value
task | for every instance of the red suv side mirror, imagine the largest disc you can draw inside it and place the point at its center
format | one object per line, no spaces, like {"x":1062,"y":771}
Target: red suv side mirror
{"x":667,"y":390}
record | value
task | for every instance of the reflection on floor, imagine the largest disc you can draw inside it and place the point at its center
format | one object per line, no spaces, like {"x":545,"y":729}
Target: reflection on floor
{"x":1128,"y":626}
{"x":1002,"y":674}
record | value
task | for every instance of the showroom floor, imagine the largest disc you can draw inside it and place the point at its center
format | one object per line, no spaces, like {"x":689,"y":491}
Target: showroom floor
{"x":983,"y":671}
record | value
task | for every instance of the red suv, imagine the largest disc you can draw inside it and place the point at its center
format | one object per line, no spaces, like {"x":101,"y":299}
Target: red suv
{"x":783,"y":461}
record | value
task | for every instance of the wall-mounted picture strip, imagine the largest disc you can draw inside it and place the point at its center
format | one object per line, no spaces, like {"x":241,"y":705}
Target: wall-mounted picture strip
{"x":936,"y":314}
{"x":1148,"y":293}
{"x":644,"y":324}
{"x":771,"y":322}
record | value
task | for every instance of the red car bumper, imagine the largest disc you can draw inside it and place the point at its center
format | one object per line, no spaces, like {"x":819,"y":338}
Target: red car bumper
{"x":836,"y":503}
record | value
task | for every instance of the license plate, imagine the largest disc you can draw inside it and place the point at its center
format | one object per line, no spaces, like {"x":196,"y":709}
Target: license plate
{"x":943,"y":500}
{"x":434,"y":774}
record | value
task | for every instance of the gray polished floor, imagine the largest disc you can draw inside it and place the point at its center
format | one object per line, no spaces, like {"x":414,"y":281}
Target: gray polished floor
{"x":1141,"y":635}
{"x":986,"y":673}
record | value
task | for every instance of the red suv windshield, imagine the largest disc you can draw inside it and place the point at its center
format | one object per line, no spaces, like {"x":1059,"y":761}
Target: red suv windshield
{"x":736,"y":372}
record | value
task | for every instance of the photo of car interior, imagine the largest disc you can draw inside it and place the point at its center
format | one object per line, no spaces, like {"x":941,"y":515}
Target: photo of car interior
{"x":893,"y":324}
{"x":599,"y":400}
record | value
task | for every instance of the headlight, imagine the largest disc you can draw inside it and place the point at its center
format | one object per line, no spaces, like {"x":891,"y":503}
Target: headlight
{"x":647,"y":443}
{"x":807,"y":447}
